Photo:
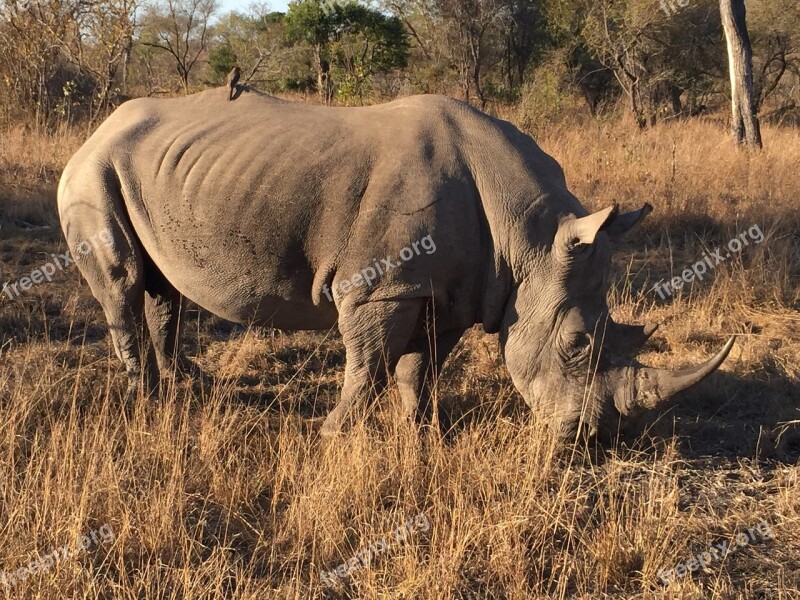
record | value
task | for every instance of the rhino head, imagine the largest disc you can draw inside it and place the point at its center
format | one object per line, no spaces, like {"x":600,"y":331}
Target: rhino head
{"x":570,"y":361}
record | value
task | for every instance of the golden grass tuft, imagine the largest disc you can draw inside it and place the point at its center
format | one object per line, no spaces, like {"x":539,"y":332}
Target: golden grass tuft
{"x":222,"y":489}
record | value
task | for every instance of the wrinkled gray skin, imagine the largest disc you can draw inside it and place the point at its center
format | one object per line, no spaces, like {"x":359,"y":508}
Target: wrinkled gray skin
{"x":249,"y":208}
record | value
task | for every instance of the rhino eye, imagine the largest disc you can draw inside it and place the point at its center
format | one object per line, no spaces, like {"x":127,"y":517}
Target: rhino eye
{"x":579,"y":344}
{"x":576,"y":247}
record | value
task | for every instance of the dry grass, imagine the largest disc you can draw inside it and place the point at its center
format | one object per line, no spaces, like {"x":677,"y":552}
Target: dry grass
{"x":223,"y":490}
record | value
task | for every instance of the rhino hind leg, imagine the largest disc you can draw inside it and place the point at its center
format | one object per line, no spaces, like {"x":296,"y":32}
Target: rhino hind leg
{"x":129,"y":336}
{"x":417,"y":373}
{"x":92,"y":213}
{"x":116,"y":279}
{"x":163,"y":306}
{"x":375,"y":335}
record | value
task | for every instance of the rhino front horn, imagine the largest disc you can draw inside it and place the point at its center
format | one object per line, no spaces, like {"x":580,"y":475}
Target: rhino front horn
{"x":645,"y":387}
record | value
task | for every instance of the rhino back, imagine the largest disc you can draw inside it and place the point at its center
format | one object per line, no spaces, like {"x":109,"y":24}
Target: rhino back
{"x":249,"y":207}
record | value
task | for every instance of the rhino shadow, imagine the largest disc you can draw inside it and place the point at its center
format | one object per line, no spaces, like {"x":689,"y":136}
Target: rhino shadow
{"x":731,"y":417}
{"x":726,"y":417}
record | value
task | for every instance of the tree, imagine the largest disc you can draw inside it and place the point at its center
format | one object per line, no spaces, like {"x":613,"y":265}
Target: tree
{"x":180,"y":28}
{"x":354,"y":39}
{"x":525,"y":39}
{"x":369,"y":43}
{"x":745,"y":126}
{"x":255,"y":41}
{"x":624,"y":36}
{"x":93,"y":39}
{"x":485,"y":47}
{"x":30,"y":63}
{"x":307,"y":21}
{"x":221,"y":59}
{"x":473,"y":23}
{"x":774,"y":30}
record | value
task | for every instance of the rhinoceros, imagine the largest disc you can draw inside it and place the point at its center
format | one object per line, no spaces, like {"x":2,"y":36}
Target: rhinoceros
{"x":256,"y":209}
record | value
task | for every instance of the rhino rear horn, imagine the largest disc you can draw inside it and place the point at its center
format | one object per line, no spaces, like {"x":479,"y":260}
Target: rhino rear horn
{"x":627,"y":340}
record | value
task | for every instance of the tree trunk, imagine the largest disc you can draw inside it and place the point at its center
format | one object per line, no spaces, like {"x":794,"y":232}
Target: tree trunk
{"x":634,"y":95}
{"x":476,"y":83}
{"x":324,"y":81}
{"x":126,"y":57}
{"x":475,"y":39}
{"x":675,"y":96}
{"x":184,"y":75}
{"x":509,"y":66}
{"x":322,"y":76}
{"x":465,"y":77}
{"x":746,"y":129}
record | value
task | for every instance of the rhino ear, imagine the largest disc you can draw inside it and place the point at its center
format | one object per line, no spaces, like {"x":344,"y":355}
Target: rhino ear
{"x":582,"y":231}
{"x":619,"y":225}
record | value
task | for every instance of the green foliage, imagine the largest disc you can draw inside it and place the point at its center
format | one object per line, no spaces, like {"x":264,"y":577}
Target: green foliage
{"x":356,"y":41}
{"x":354,"y":85}
{"x":540,"y":55}
{"x":546,"y":95}
{"x":381,"y":40}
{"x":307,"y":21}
{"x":296,"y":84}
{"x":221,"y":60}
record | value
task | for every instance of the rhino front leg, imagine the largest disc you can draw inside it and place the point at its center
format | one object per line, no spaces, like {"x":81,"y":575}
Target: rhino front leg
{"x":375,"y":336}
{"x":417,"y":373}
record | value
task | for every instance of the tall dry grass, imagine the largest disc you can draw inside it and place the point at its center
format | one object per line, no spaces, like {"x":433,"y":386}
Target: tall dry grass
{"x":221,"y":489}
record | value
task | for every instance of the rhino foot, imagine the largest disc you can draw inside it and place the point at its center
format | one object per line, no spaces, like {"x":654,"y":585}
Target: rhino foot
{"x":334,"y":422}
{"x":181,"y":370}
{"x":148,"y":385}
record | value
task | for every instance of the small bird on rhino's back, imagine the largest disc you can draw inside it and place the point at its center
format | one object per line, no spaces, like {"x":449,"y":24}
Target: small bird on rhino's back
{"x":232,"y":81}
